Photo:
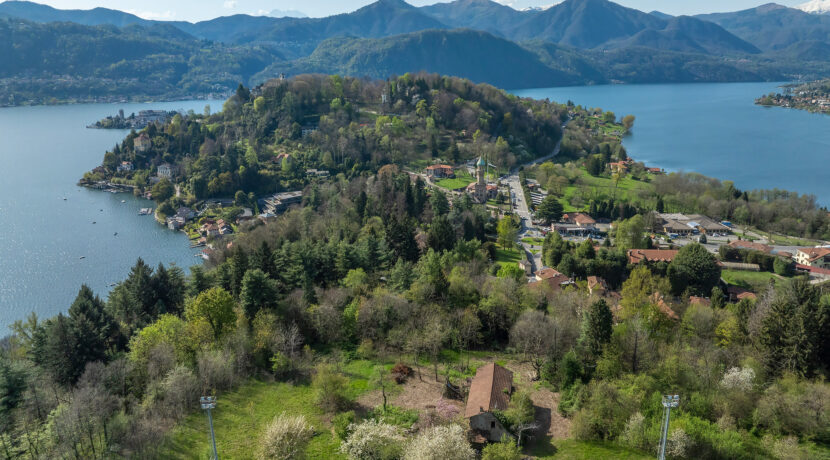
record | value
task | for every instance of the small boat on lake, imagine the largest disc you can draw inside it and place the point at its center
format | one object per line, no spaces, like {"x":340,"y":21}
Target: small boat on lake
{"x":145,"y":211}
{"x":83,"y":257}
{"x":123,"y":201}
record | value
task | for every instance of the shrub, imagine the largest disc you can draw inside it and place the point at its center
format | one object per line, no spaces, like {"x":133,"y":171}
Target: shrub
{"x":796,"y":407}
{"x":440,"y":443}
{"x":330,"y":387}
{"x":373,"y":440}
{"x":397,"y":416}
{"x":504,"y":450}
{"x":342,"y":423}
{"x":738,"y":378}
{"x":634,"y":434}
{"x":179,"y":387}
{"x":678,"y":444}
{"x":401,"y":372}
{"x":216,"y":370}
{"x":285,"y":438}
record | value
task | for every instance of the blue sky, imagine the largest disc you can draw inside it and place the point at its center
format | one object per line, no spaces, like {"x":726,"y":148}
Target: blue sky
{"x":196,"y":10}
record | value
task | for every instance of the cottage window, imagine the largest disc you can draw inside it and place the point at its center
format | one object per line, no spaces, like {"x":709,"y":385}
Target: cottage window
{"x":492,"y":424}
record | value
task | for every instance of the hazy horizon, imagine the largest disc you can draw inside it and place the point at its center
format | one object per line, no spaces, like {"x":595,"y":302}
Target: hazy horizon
{"x":199,"y":10}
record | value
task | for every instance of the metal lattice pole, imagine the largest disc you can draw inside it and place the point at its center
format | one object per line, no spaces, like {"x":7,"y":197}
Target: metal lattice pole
{"x":669,"y":401}
{"x":208,"y":403}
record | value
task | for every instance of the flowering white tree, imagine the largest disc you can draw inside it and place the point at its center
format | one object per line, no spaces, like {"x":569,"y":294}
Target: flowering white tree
{"x":440,"y":443}
{"x":373,"y":440}
{"x":285,"y":438}
{"x":738,"y":378}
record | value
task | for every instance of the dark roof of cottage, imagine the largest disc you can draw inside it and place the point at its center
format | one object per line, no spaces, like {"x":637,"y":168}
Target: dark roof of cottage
{"x":489,"y":390}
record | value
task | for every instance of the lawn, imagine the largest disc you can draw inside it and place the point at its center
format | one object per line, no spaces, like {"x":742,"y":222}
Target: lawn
{"x":570,"y":449}
{"x":627,"y":189}
{"x":240,"y":418}
{"x":534,"y":241}
{"x":508,"y":256}
{"x":783,"y":240}
{"x":461,"y":180}
{"x":755,"y":281}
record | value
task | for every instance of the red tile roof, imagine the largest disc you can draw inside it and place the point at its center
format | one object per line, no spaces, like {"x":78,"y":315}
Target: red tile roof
{"x":547,"y":273}
{"x":636,"y":256}
{"x":579,"y":218}
{"x":490,"y":390}
{"x":815,"y":253}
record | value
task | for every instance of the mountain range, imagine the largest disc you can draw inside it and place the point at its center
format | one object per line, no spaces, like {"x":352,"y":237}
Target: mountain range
{"x":573,"y":42}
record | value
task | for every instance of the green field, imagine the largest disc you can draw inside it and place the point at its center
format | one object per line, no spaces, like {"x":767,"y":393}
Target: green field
{"x":461,"y":180}
{"x":755,"y":281}
{"x":241,"y":416}
{"x":627,"y":189}
{"x":789,"y":240}
{"x":570,"y":449}
{"x":508,"y":256}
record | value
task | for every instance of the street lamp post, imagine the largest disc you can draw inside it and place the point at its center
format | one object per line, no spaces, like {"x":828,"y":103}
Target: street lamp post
{"x":669,"y":402}
{"x":208,"y":403}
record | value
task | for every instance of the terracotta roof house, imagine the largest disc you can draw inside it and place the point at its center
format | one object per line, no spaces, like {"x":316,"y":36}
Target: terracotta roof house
{"x":439,"y":171}
{"x":579,"y":218}
{"x":142,"y":143}
{"x":490,"y":390}
{"x":813,"y":257}
{"x":597,"y":285}
{"x":556,"y":283}
{"x":737,"y":293}
{"x":546,"y":273}
{"x":743,"y":244}
{"x":664,"y":308}
{"x":695,"y":300}
{"x":636,"y":256}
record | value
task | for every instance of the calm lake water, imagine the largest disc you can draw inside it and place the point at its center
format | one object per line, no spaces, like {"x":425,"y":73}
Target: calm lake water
{"x":43,"y":153}
{"x":717,"y":130}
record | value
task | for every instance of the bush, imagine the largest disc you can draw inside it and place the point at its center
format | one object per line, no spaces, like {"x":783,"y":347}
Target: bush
{"x":373,"y":440}
{"x":216,"y":370}
{"x":440,"y":443}
{"x":783,"y":267}
{"x":635,"y":434}
{"x":504,"y":450}
{"x":330,"y":387}
{"x":796,"y":407}
{"x":397,"y":416}
{"x":401,"y":372}
{"x":285,"y":438}
{"x":342,"y":423}
{"x":179,"y":387}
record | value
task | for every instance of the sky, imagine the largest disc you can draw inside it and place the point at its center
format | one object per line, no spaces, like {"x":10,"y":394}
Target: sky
{"x":197,"y":10}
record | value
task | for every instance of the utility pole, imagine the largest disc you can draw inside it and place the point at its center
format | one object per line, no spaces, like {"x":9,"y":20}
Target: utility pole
{"x":669,"y":401}
{"x":208,"y":403}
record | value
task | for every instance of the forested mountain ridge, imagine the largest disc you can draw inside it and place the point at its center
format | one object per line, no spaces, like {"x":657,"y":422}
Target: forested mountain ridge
{"x":478,"y":56}
{"x":72,"y":62}
{"x":392,"y":36}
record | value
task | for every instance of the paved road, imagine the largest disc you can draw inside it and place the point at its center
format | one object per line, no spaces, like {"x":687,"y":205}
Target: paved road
{"x":521,"y":208}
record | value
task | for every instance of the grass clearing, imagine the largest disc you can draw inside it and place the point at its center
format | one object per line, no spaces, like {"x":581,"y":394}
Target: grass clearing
{"x":241,"y":415}
{"x":461,"y":180}
{"x":588,"y":187}
{"x":508,"y":256}
{"x":783,"y":240}
{"x":570,"y":449}
{"x":755,"y":281}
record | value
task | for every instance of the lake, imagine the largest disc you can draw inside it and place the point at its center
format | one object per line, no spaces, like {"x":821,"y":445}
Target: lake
{"x":717,"y":130}
{"x":43,"y":152}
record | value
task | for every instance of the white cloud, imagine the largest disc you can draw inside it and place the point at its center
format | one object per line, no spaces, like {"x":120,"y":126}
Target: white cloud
{"x":167,"y":15}
{"x":230,"y":4}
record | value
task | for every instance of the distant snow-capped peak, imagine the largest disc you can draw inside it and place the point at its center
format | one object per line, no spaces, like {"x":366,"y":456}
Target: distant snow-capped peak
{"x":815,"y":7}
